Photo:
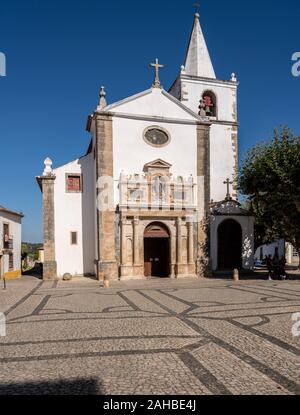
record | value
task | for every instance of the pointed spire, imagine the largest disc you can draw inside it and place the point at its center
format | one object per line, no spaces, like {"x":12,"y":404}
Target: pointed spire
{"x":197,"y":61}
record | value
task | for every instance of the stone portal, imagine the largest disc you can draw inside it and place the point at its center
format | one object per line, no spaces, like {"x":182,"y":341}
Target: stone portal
{"x":157,"y":251}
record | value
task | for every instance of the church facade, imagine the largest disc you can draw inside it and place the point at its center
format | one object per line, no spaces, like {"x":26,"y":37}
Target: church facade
{"x":149,"y":197}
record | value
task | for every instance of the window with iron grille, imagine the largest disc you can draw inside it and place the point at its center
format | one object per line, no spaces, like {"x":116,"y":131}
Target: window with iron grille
{"x":6,"y":236}
{"x":73,"y":183}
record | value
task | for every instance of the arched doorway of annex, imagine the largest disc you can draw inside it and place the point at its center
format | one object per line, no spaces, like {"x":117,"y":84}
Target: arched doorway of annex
{"x":230,"y":245}
{"x":157,"y":250}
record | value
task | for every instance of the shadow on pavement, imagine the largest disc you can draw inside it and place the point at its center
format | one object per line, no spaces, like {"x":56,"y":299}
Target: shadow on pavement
{"x":70,"y":387}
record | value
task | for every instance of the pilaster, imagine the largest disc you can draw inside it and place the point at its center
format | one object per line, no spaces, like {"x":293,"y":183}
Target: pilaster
{"x":203,"y":171}
{"x":107,"y":264}
{"x":50,"y":265}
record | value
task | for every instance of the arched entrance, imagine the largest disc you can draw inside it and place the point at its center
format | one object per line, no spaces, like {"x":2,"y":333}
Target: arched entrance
{"x":229,"y":245}
{"x":157,"y":250}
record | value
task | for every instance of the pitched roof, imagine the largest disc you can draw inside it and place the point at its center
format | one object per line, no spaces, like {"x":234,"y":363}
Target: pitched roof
{"x":11,"y":212}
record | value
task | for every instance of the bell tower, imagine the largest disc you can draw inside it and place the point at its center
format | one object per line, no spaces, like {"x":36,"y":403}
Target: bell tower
{"x":198,"y":88}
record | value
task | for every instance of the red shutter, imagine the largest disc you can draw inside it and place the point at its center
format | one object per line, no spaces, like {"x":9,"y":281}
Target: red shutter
{"x":74,"y":184}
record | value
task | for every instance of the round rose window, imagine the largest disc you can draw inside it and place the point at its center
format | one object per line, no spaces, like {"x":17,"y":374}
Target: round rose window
{"x":156,"y":137}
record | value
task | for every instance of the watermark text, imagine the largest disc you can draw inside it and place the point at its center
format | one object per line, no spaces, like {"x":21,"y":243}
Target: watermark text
{"x":2,"y":64}
{"x":296,"y":64}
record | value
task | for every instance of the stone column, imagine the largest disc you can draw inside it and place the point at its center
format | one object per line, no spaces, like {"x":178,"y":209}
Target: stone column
{"x":203,"y":161}
{"x":203,"y":171}
{"x":179,"y":239}
{"x":190,"y":226}
{"x":136,"y":255}
{"x":123,"y":242}
{"x":107,"y":263}
{"x":49,"y":266}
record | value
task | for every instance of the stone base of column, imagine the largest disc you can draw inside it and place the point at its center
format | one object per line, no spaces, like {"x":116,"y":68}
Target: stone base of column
{"x":132,"y":272}
{"x":109,"y":270}
{"x":185,"y":271}
{"x":50,"y":271}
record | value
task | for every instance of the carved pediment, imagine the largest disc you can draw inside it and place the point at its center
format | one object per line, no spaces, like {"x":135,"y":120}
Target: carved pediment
{"x":158,"y":165}
{"x":229,"y":207}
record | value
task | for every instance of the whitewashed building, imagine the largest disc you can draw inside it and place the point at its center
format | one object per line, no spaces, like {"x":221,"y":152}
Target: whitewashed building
{"x":291,"y":255}
{"x":156,"y":184}
{"x":281,"y":248}
{"x":10,"y":243}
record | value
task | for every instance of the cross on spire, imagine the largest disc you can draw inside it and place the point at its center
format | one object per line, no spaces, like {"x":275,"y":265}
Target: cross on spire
{"x":157,"y":66}
{"x":228,"y":183}
{"x":197,"y":7}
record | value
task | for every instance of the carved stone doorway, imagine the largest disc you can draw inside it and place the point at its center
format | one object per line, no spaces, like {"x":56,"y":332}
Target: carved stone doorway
{"x":157,"y":251}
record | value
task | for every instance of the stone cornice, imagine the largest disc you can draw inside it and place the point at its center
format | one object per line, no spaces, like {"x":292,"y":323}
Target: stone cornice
{"x":40,"y":180}
{"x":222,"y":122}
{"x":185,"y":77}
{"x":153,"y":118}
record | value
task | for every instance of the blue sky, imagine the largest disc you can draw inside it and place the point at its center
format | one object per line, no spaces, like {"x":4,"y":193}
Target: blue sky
{"x":59,"y":53}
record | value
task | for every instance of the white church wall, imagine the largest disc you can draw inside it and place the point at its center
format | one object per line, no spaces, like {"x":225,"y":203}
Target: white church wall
{"x":152,"y":108}
{"x":247,"y":224}
{"x":128,"y":139}
{"x":222,"y":160}
{"x":222,"y":151}
{"x":74,"y":212}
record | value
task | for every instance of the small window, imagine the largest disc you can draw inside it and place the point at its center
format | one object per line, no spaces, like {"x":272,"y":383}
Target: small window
{"x":73,"y":183}
{"x":11,"y":262}
{"x":6,"y":236}
{"x":73,"y":238}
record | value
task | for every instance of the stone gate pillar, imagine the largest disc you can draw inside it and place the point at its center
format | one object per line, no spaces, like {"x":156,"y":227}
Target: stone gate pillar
{"x":107,"y":263}
{"x":49,"y":266}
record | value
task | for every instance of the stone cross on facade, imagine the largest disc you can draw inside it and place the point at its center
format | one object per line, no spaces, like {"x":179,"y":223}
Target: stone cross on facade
{"x":228,"y":183}
{"x":157,"y":66}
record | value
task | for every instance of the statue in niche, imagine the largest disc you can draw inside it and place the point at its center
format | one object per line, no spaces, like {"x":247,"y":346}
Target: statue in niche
{"x":159,"y":189}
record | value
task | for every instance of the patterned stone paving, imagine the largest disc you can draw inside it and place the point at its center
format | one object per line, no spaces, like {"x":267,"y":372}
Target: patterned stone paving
{"x":154,"y":337}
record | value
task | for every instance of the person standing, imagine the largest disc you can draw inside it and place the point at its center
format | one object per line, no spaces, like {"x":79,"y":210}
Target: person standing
{"x":269,"y":264}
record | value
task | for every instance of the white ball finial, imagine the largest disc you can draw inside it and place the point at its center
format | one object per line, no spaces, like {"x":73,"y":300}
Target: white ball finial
{"x":48,"y":171}
{"x":233,"y":77}
{"x":102,"y":101}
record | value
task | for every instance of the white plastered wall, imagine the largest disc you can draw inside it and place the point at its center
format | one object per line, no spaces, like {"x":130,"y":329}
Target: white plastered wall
{"x":75,"y":212}
{"x":131,"y":153}
{"x":222,"y":151}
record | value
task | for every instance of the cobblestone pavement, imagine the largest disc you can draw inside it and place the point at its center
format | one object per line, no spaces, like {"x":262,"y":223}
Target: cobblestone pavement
{"x":154,"y":337}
